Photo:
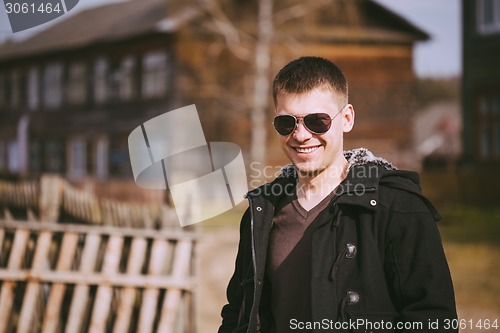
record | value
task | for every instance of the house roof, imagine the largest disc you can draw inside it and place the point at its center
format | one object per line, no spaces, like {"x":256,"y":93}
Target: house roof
{"x":361,"y":21}
{"x":101,"y":24}
{"x":366,"y":20}
{"x":377,"y":15}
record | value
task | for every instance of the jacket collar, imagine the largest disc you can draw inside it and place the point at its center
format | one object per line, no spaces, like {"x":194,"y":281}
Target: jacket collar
{"x":354,"y":157}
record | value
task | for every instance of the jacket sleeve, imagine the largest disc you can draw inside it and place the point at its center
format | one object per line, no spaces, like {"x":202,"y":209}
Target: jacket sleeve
{"x":235,"y":292}
{"x":418,"y":274}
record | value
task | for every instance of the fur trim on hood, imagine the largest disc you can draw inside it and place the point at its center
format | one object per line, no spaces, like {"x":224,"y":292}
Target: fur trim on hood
{"x":362,"y":156}
{"x":355,"y":157}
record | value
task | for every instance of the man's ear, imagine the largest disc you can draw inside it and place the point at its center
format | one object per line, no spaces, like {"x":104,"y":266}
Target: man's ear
{"x":348,"y":118}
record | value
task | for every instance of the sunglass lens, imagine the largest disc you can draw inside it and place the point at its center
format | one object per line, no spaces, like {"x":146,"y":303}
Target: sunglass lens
{"x":318,"y":122}
{"x":284,"y":124}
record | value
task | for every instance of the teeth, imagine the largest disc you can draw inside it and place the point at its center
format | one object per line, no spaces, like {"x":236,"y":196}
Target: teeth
{"x":306,"y":150}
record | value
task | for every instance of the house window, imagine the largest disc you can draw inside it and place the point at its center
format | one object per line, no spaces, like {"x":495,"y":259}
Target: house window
{"x":52,"y":84}
{"x":3,"y":89}
{"x":15,"y":90}
{"x":127,"y":79}
{"x":100,"y":80}
{"x":53,"y":156}
{"x":489,"y":127}
{"x":33,"y":89}
{"x":77,"y":158}
{"x":154,"y":74}
{"x":488,"y":16}
{"x":119,"y":161}
{"x":14,"y":160}
{"x":35,"y":157}
{"x":101,"y":151}
{"x":3,"y":157}
{"x":77,"y":88}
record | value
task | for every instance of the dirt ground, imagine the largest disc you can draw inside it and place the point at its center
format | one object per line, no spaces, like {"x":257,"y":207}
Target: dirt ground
{"x":216,"y":254}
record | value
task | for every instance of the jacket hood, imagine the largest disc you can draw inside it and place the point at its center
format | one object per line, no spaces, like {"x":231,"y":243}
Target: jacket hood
{"x":367,"y":173}
{"x":365,"y":170}
{"x":362,"y":156}
{"x":355,"y":157}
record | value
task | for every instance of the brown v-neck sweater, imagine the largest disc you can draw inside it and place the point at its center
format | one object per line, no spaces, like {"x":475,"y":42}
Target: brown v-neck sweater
{"x":288,"y":267}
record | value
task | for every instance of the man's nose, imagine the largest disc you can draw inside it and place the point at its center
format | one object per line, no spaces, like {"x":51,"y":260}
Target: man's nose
{"x":301,"y":133}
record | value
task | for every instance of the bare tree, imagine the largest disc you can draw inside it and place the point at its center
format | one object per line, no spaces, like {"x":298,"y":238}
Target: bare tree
{"x":256,"y":50}
{"x":261,"y":83}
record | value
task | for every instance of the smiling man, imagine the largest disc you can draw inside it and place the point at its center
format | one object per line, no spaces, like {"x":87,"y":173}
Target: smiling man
{"x":341,"y":240}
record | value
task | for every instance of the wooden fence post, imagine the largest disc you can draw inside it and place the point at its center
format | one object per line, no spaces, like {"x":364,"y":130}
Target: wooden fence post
{"x":159,"y":254}
{"x":128,"y":294}
{"x":172,"y":300}
{"x":33,"y":288}
{"x":15,"y":260}
{"x":81,"y":292}
{"x":104,"y":294}
{"x":66,"y":256}
{"x":51,"y":190}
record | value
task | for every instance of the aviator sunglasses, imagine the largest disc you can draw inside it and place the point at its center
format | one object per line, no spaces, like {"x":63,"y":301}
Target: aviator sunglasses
{"x":317,"y":123}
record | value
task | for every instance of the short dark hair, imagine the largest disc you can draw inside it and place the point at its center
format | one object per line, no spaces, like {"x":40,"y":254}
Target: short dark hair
{"x":307,"y":73}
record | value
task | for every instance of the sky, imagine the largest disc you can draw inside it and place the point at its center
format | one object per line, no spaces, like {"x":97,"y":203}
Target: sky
{"x":441,"y":19}
{"x":438,"y":57}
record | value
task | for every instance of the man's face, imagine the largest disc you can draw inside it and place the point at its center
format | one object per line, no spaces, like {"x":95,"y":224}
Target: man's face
{"x":314,"y":153}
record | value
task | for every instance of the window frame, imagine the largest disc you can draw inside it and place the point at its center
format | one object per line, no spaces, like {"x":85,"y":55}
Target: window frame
{"x":488,"y":126}
{"x":33,"y":88}
{"x":77,"y":83}
{"x":53,"y":85}
{"x":154,"y":74}
{"x":101,"y":71}
{"x":127,"y":88}
{"x":483,"y":27}
{"x":4,"y":96}
{"x":77,"y":154}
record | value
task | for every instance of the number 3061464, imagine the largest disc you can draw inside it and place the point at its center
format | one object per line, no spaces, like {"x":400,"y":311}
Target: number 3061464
{"x":25,"y":8}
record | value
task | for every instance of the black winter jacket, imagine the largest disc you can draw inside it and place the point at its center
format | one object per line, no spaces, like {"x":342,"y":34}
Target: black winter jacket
{"x":378,"y":260}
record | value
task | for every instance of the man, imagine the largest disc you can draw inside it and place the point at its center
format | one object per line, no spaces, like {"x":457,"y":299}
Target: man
{"x":340,"y":241}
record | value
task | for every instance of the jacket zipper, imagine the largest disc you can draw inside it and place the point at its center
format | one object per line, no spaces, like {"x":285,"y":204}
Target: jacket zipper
{"x":254,"y":261}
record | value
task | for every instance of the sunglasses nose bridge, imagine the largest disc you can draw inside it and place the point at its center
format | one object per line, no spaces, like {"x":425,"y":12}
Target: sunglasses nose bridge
{"x":297,"y":122}
{"x":300,"y":131}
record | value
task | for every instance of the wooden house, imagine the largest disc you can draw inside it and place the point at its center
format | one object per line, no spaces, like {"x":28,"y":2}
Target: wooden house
{"x":70,"y":95}
{"x":481,"y":83}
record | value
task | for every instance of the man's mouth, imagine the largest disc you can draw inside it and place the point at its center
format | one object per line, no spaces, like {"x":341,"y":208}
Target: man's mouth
{"x":306,"y":150}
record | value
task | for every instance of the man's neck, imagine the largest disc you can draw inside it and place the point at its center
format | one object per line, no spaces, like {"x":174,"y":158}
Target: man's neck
{"x":311,"y":190}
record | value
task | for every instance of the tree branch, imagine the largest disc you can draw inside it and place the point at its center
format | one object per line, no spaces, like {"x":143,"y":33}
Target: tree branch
{"x":296,"y":11}
{"x":235,"y":38}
